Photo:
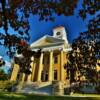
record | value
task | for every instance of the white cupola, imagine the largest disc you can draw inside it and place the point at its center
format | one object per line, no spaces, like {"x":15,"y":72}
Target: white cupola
{"x":60,"y":32}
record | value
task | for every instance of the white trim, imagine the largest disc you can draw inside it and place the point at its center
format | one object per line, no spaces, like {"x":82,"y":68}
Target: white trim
{"x":38,"y":40}
{"x":68,"y":49}
{"x":48,"y":45}
{"x":33,"y":45}
{"x":50,"y":48}
{"x":19,"y":55}
{"x":53,"y":48}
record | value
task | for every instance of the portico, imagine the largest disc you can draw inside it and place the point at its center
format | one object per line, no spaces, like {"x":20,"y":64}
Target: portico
{"x":49,"y":66}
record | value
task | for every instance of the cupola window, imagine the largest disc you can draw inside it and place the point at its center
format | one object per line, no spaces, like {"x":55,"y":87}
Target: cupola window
{"x":58,"y":33}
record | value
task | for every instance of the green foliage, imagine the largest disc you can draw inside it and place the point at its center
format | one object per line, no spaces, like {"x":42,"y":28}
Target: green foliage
{"x":86,"y":52}
{"x":10,"y":11}
{"x":89,"y":7}
{"x":6,"y":85}
{"x":3,"y":75}
{"x":2,"y":62}
{"x":98,"y":89}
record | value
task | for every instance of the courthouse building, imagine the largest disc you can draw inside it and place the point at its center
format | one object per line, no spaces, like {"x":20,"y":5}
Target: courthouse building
{"x":50,"y":65}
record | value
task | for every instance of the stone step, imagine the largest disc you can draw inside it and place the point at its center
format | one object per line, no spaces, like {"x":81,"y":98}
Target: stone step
{"x":44,"y":88}
{"x":37,"y":84}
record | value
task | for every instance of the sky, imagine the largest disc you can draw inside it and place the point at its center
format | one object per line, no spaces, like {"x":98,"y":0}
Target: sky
{"x":73,"y":25}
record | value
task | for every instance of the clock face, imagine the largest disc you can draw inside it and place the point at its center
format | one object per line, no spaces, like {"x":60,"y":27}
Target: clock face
{"x":58,"y":33}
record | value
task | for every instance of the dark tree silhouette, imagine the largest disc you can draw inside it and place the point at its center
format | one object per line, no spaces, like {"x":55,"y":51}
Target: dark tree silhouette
{"x":85,"y":55}
{"x":15,"y":13}
{"x":3,"y":75}
{"x":2,"y":62}
{"x":89,"y":7}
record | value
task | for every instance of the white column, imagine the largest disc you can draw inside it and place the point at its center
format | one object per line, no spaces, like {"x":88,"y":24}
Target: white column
{"x":50,"y":74}
{"x":30,"y":76}
{"x":33,"y":70}
{"x":62,"y":66}
{"x":40,"y":67}
{"x":14,"y":72}
{"x":23,"y":77}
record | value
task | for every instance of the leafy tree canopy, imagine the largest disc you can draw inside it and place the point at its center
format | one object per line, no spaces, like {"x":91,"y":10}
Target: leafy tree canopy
{"x":11,"y":9}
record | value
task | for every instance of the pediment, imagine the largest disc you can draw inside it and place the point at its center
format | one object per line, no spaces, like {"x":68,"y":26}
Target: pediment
{"x":46,"y":40}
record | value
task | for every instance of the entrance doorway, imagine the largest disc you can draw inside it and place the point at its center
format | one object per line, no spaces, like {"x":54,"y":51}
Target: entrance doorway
{"x":26,"y":77}
{"x":55,"y":74}
{"x":44,"y":76}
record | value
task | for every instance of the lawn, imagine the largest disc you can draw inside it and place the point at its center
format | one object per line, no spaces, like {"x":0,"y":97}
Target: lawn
{"x":17,"y":96}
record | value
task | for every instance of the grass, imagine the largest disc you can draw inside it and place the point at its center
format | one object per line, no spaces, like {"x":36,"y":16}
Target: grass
{"x":19,"y":96}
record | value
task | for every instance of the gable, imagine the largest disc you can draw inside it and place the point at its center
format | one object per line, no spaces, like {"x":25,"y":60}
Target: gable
{"x":46,"y":40}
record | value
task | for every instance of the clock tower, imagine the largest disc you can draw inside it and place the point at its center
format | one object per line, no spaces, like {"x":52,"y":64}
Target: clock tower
{"x":60,"y":32}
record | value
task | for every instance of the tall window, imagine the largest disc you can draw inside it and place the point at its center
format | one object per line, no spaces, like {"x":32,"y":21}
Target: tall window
{"x":55,"y":74}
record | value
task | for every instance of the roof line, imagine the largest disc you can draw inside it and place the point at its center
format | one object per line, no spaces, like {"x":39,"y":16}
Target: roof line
{"x":48,"y":36}
{"x":60,"y":43}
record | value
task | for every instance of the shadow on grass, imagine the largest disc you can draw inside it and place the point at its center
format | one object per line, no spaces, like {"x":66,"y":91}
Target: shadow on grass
{"x":15,"y":96}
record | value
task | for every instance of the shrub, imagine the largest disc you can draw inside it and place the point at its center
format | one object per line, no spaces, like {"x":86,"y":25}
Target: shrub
{"x":7,"y":85}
